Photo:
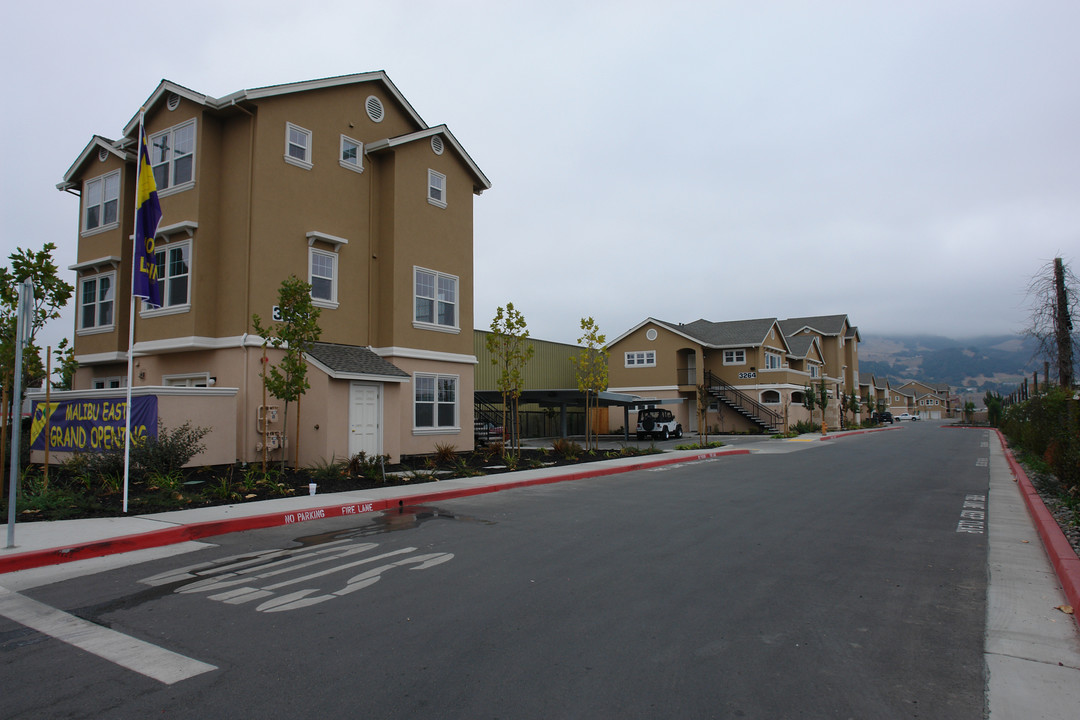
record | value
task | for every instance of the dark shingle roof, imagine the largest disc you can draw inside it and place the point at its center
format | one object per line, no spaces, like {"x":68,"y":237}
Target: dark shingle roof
{"x":728,"y":334}
{"x":354,"y":360}
{"x":824,"y":324}
{"x":800,"y":345}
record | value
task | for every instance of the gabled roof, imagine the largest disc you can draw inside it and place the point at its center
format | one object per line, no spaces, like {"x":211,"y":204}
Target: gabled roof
{"x":96,"y":144}
{"x":801,"y":345}
{"x":481,"y":179}
{"x":165,"y":87}
{"x":732,"y":334}
{"x":352,"y":362}
{"x":824,"y":324}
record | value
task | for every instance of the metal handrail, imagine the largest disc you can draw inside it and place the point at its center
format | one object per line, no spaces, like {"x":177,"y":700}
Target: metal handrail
{"x":736,"y":397}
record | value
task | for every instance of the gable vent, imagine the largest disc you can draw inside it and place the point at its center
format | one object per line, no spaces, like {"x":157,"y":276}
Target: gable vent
{"x":102,"y":154}
{"x":374,"y":108}
{"x":437,"y":144}
{"x":174,"y":101}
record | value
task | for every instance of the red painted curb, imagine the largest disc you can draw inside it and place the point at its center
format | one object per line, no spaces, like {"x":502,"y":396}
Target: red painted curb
{"x":210,"y":528}
{"x":1062,"y":556}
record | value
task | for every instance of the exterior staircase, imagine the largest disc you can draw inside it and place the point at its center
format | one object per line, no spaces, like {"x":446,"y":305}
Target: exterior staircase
{"x":767,"y":419}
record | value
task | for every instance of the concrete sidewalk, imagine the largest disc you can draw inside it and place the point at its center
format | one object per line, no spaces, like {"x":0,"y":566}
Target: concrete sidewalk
{"x":1032,"y":648}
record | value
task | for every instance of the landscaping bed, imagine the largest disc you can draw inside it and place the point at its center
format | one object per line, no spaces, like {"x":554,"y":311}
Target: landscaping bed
{"x":89,"y":487}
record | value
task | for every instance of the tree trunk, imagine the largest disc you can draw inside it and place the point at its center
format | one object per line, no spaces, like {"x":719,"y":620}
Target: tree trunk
{"x":1062,"y":326}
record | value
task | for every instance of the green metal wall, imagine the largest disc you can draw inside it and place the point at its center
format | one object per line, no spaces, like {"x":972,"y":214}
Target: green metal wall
{"x":549,"y":369}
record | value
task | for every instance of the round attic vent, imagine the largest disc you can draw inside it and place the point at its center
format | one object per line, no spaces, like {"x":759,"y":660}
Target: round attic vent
{"x":651,"y":334}
{"x":102,"y":154}
{"x":436,"y":144}
{"x":174,"y":101}
{"x":374,"y":108}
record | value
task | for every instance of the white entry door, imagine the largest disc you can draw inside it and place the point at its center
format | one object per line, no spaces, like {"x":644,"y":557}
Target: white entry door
{"x":365,"y":415}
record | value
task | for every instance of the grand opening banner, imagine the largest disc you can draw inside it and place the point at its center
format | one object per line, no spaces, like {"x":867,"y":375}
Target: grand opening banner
{"x":95,"y":425}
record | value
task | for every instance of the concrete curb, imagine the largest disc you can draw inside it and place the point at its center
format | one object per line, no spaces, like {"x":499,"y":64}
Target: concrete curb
{"x":1058,"y":550}
{"x":195,"y":531}
{"x":849,"y":433}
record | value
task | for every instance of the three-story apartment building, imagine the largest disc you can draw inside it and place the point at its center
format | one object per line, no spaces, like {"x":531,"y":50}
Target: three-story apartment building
{"x":338,"y":182}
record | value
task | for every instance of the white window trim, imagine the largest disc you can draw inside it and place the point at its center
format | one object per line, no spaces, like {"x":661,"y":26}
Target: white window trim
{"x":96,"y":329}
{"x":735,"y":355}
{"x":763,"y":401}
{"x":421,"y":325}
{"x":119,"y":193}
{"x":149,"y":312}
{"x":332,"y":303}
{"x":435,"y":174}
{"x":358,"y":166}
{"x":307,"y":163}
{"x":630,"y":358}
{"x":771,"y":357}
{"x":173,"y":189}
{"x":103,"y":383}
{"x":186,"y":380}
{"x":439,"y":429}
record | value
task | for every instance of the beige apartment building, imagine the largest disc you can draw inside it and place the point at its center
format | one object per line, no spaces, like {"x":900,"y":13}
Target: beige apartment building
{"x":336,"y":181}
{"x":755,"y":371}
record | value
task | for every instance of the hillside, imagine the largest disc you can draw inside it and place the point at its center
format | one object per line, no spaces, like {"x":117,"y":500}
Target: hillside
{"x":976,"y":365}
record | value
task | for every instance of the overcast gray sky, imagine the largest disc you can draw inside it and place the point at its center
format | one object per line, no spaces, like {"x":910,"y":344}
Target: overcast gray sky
{"x":911,"y":164}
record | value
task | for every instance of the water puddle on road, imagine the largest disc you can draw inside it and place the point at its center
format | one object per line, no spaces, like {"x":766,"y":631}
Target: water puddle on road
{"x":408,"y":517}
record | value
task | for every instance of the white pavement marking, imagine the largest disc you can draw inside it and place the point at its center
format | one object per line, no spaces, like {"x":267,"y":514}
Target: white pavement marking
{"x":142,"y":657}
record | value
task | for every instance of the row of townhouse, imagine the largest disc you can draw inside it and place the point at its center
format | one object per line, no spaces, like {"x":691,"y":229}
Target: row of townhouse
{"x":755,"y":371}
{"x":929,"y":401}
{"x":337,"y":181}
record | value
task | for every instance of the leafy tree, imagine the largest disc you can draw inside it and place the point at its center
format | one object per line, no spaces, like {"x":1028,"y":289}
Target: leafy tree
{"x":969,"y":411}
{"x":868,"y":403}
{"x":994,"y":408}
{"x":1055,"y":293}
{"x":296,"y":332}
{"x":703,"y":398}
{"x":510,"y":350}
{"x":51,"y":293}
{"x":592,"y":371}
{"x":823,"y":402}
{"x":810,"y":400}
{"x":853,"y":406}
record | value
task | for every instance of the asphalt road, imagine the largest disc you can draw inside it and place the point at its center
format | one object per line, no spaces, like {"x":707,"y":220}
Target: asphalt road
{"x":825,"y":581}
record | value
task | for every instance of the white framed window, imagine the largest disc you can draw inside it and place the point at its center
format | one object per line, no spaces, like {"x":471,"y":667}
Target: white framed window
{"x":322,"y":276}
{"x":734,"y":357}
{"x":435,"y":303}
{"x":772,"y":361}
{"x":436,"y":188}
{"x":107,"y":383}
{"x":97,"y":303}
{"x":298,"y":146}
{"x":352,"y":154}
{"x":640,"y":358}
{"x":815,"y":370}
{"x":188,"y":380}
{"x":172,"y":157}
{"x":101,"y":202}
{"x":435,"y":405}
{"x":174,"y":278}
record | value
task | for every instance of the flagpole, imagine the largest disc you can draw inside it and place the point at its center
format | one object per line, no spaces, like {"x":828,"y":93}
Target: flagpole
{"x":131,"y":316}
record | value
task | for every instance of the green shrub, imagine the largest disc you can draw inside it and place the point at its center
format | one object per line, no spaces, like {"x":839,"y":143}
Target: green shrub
{"x":170,"y":451}
{"x":566,"y":449}
{"x":326,"y":471}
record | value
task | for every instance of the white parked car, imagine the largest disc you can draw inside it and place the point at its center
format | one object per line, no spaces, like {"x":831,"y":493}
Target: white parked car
{"x":907,"y":416}
{"x":657,"y":423}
